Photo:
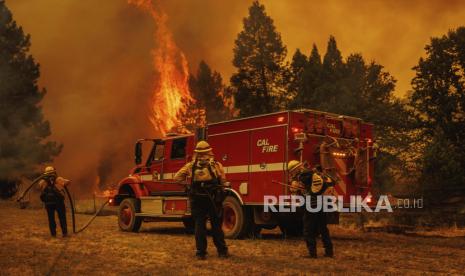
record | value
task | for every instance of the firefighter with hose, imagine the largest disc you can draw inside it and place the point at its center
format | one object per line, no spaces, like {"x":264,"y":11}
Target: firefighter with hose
{"x":314,"y":185}
{"x":52,"y":189}
{"x":206,"y":197}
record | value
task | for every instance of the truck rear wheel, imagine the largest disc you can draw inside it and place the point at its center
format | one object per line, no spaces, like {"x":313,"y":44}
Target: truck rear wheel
{"x":235,"y":220}
{"x":127,"y":219}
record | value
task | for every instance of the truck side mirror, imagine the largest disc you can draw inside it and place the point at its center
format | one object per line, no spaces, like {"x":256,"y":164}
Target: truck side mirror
{"x":138,"y":153}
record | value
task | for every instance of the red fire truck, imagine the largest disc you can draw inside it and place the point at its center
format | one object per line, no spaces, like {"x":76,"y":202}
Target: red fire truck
{"x":254,"y":152}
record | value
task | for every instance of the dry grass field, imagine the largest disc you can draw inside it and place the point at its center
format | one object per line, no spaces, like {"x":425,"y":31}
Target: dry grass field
{"x":164,"y":248}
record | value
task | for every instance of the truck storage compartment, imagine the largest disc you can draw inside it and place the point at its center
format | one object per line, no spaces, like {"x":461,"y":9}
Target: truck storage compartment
{"x":157,"y":206}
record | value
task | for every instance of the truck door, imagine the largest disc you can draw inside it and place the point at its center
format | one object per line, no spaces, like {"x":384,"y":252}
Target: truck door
{"x":177,"y":157}
{"x":166,"y":160}
{"x":267,"y":162}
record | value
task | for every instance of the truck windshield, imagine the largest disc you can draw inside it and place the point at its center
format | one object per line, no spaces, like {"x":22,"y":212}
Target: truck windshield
{"x":178,"y":149}
{"x":159,"y":152}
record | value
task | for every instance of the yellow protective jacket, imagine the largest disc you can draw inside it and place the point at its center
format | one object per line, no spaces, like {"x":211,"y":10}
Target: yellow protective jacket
{"x":60,"y":184}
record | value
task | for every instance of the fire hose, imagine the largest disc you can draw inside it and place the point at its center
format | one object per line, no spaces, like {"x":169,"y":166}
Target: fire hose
{"x":71,"y":203}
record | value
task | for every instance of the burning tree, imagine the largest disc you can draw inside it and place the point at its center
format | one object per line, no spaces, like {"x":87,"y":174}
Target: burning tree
{"x":171,"y":89}
{"x":22,"y":125}
{"x":181,"y":102}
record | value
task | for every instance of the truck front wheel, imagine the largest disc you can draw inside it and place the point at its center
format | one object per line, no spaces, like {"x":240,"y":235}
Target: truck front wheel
{"x":235,"y":220}
{"x":127,"y":219}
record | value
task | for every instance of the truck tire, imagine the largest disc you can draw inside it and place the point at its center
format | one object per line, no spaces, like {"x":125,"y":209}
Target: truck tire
{"x":127,"y":219}
{"x":235,"y":219}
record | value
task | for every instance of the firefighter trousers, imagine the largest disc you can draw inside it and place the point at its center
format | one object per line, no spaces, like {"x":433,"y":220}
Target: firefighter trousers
{"x":201,"y":208}
{"x":314,"y":224}
{"x":60,"y":208}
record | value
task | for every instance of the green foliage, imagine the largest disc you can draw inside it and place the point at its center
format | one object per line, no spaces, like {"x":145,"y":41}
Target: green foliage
{"x":297,"y":82}
{"x":443,"y":166}
{"x":354,"y":88}
{"x":305,"y":78}
{"x":207,"y":88}
{"x":210,"y":100}
{"x":22,"y":125}
{"x":259,"y":56}
{"x":438,"y":100}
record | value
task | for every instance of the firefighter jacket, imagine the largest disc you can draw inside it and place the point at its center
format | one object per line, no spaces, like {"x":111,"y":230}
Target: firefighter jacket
{"x":203,"y":171}
{"x":58,"y":187}
{"x":60,"y":184}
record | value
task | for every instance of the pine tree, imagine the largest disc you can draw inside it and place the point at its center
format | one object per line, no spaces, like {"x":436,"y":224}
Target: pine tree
{"x":351,"y":100}
{"x":259,"y":56}
{"x":327,"y":94}
{"x":296,"y":88}
{"x":315,"y":58}
{"x":22,"y":124}
{"x":208,"y":89}
{"x":332,"y":61}
{"x":209,"y":103}
{"x":312,"y":78}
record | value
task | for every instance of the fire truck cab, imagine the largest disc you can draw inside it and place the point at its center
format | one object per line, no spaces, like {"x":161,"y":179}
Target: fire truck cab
{"x":254,"y":152}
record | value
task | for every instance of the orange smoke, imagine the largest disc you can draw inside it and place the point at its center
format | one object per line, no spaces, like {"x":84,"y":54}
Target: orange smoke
{"x":171,"y":90}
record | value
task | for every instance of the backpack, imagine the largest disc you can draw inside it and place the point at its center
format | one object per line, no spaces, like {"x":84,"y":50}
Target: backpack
{"x":51,"y":195}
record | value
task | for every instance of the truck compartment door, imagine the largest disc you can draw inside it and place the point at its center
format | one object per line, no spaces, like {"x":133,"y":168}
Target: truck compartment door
{"x":164,"y":206}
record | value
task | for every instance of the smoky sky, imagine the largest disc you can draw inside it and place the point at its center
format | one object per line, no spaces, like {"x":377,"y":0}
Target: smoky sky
{"x":392,"y":33}
{"x":96,"y":63}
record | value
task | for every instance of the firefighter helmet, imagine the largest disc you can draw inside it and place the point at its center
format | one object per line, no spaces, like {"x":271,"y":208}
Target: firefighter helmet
{"x":293,"y":165}
{"x":202,"y":147}
{"x":49,"y":170}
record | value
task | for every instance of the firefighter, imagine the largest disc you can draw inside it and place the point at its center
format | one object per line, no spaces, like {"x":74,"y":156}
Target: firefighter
{"x":206,"y":197}
{"x":314,"y":222}
{"x":53,"y":195}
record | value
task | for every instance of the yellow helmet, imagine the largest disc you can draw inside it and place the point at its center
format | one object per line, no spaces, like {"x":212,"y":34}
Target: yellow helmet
{"x":50,"y":170}
{"x":293,"y":165}
{"x":202,"y":147}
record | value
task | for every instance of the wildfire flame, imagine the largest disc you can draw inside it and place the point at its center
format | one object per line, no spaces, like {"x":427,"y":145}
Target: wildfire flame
{"x":171,"y":90}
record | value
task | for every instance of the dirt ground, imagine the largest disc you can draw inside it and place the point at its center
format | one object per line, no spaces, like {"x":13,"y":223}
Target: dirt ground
{"x":163,"y":248}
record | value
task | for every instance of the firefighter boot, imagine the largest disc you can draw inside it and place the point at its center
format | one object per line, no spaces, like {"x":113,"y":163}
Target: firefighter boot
{"x":201,"y":257}
{"x":329,"y":252}
{"x":311,"y":250}
{"x":223,"y":254}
